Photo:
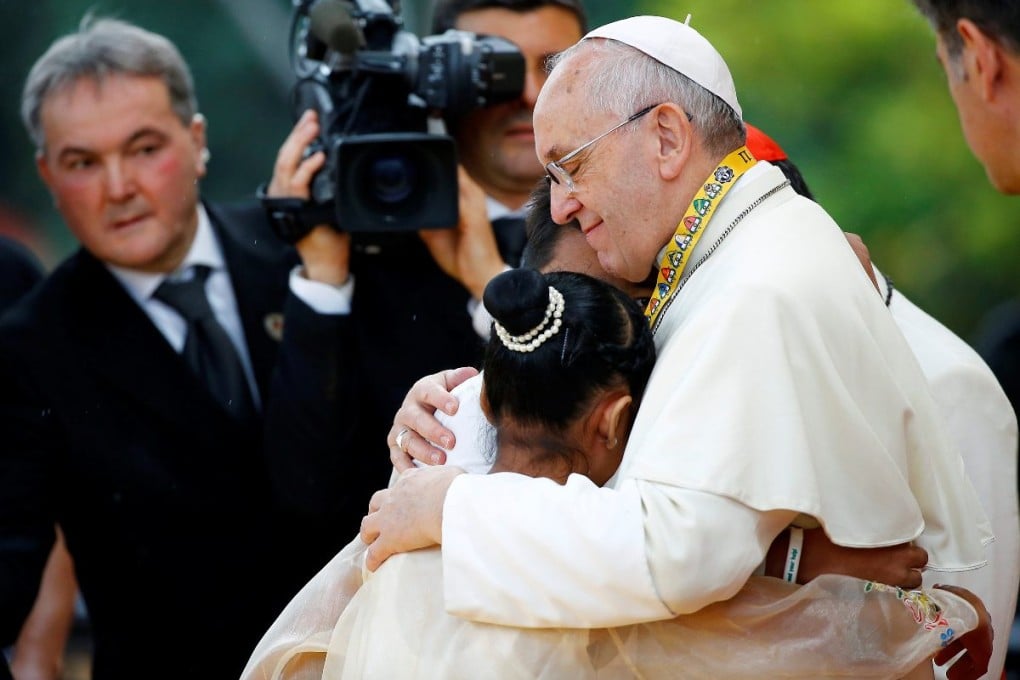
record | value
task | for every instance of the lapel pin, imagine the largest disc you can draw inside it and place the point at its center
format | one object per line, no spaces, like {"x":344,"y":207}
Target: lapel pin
{"x":274,"y":325}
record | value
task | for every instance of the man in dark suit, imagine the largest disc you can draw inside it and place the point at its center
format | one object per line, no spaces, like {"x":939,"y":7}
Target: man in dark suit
{"x":151,"y":461}
{"x":414,"y":299}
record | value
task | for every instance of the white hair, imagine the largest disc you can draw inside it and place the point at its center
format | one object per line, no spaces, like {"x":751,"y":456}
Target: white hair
{"x":626,"y":80}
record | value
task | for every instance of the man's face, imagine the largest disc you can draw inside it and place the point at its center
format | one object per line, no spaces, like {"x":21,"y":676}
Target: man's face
{"x":497,"y":143}
{"x":613,"y":183}
{"x":983,"y":128}
{"x":123,"y":170}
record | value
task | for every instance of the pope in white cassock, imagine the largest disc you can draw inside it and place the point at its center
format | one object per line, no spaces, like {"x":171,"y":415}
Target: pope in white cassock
{"x":394,"y":624}
{"x":783,"y":392}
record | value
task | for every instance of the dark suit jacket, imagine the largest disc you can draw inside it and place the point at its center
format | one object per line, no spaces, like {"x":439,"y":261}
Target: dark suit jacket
{"x":19,"y":272}
{"x":411,"y":319}
{"x":181,"y":538}
{"x":408,"y":319}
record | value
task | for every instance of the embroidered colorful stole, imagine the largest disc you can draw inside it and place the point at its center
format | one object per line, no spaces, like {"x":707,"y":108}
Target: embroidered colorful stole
{"x":692,"y":226}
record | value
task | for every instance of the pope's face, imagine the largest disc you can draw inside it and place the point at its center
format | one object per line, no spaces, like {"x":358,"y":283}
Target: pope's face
{"x":496,"y":144}
{"x":573,"y":254}
{"x":123,"y":169}
{"x":614,"y":179}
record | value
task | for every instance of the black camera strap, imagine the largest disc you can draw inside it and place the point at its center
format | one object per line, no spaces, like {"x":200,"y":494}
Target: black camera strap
{"x":292,"y":218}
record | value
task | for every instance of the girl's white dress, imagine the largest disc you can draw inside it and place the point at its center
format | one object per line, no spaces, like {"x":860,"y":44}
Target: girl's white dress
{"x":349,"y":624}
{"x":392,"y":625}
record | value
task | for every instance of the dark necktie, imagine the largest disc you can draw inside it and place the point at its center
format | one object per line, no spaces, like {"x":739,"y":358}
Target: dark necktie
{"x":510,"y":237}
{"x":207,"y":347}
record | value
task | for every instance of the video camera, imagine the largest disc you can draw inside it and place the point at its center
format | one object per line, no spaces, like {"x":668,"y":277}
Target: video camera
{"x":381,"y":94}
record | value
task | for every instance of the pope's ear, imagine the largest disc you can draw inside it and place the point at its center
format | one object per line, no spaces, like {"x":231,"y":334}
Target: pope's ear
{"x":675,"y":138}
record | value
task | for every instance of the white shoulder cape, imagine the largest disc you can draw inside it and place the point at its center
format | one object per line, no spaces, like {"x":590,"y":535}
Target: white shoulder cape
{"x":782,"y":380}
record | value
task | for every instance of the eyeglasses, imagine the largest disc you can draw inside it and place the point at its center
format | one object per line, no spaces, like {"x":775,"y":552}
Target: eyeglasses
{"x":555,"y":171}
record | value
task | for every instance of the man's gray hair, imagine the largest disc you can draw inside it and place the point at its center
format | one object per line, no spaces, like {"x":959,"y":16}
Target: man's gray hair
{"x":99,"y":49}
{"x":627,"y":80}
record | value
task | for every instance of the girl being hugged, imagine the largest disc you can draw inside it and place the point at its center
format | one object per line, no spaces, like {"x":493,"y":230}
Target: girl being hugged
{"x":562,"y":379}
{"x":564,"y":370}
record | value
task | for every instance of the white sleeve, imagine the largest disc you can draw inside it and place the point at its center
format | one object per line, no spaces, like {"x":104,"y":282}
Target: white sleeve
{"x":531,"y":553}
{"x":702,"y":547}
{"x":475,"y":437}
{"x":323,"y":298}
{"x":481,"y":320}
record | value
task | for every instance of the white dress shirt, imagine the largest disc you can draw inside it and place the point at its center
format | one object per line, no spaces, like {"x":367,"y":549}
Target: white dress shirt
{"x":205,"y":250}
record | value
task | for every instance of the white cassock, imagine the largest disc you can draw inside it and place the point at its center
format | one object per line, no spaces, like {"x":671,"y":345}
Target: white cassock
{"x":979,"y":419}
{"x":783,"y":391}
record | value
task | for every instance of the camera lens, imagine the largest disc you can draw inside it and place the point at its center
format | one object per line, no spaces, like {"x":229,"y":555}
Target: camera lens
{"x":396,"y":181}
{"x":393,"y":178}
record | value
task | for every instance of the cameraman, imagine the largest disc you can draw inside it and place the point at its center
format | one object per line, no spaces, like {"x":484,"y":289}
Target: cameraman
{"x":412,"y":299}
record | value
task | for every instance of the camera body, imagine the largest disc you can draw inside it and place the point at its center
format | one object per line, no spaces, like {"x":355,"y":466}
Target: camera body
{"x":381,"y":95}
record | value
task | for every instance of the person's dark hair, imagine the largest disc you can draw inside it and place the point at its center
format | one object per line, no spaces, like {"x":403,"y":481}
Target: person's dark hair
{"x":446,"y":12}
{"x":797,"y":180}
{"x":603,"y":341}
{"x":997,"y":18}
{"x":543,"y":235}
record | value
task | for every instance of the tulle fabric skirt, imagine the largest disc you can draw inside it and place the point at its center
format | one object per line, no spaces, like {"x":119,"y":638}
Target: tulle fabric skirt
{"x":392,"y":625}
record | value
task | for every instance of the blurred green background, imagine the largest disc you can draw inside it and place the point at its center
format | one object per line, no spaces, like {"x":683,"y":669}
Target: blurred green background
{"x":852,"y":91}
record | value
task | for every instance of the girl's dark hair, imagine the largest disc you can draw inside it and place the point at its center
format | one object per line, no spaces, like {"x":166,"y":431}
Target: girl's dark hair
{"x":603,"y":341}
{"x":543,"y":235}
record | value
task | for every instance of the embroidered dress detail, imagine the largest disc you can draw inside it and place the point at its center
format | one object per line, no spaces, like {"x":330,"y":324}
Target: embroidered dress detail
{"x":925,"y":610}
{"x":693,"y":225}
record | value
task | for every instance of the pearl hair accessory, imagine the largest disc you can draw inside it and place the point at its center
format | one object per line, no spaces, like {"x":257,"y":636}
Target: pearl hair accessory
{"x":534,"y":338}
